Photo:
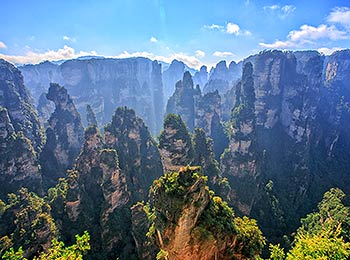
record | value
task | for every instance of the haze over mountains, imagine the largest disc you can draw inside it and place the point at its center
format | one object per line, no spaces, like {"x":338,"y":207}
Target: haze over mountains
{"x":269,"y":135}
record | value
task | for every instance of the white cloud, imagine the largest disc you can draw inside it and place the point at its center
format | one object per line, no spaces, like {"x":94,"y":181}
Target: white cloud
{"x":271,"y":7}
{"x":328,"y":51}
{"x":153,"y":39}
{"x":340,"y":15}
{"x":200,"y":54}
{"x":69,"y":39}
{"x":281,"y":11}
{"x":67,"y":52}
{"x":308,"y":32}
{"x":34,"y":57}
{"x":223,"y":54}
{"x":190,"y":60}
{"x":277,"y":45}
{"x":307,"y":35}
{"x":232,"y":28}
{"x":2,"y":45}
{"x":214,"y":27}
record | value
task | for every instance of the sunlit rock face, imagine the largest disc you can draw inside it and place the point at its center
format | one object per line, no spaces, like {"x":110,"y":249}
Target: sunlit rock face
{"x":290,"y":134}
{"x":105,"y":84}
{"x":15,"y":97}
{"x":19,"y":166}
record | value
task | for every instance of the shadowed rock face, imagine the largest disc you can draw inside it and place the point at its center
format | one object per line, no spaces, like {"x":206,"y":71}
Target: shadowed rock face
{"x":290,"y":135}
{"x":200,"y":111}
{"x":173,"y":74}
{"x":105,"y":84}
{"x":19,"y":166}
{"x":15,"y":98}
{"x":175,"y":144}
{"x":98,"y":200}
{"x":139,"y":157}
{"x":64,"y":136}
{"x":182,"y":102}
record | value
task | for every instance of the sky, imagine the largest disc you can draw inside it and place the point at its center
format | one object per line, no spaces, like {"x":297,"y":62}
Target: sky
{"x":195,"y":31}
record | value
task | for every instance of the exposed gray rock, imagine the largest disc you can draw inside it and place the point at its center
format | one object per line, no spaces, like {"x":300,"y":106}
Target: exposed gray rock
{"x":105,"y":84}
{"x":64,"y":136}
{"x":139,"y":157}
{"x":19,"y":166}
{"x":15,"y":98}
{"x":292,"y":131}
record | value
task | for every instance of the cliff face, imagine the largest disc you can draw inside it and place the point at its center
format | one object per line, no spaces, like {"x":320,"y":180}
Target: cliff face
{"x":64,"y":136}
{"x":200,"y":78}
{"x":173,"y":74}
{"x":180,"y":225}
{"x":175,"y":144}
{"x":19,"y":166}
{"x":197,"y":110}
{"x":182,"y":101}
{"x":290,"y":134}
{"x":105,"y":84}
{"x":221,"y":78}
{"x":139,"y":157}
{"x":15,"y":98}
{"x":98,"y":200}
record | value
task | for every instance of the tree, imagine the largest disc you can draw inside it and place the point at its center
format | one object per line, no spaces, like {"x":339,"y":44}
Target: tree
{"x":324,"y":234}
{"x":57,"y":250}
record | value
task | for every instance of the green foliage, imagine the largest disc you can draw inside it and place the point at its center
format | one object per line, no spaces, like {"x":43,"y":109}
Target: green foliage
{"x":175,"y":122}
{"x":324,"y":234}
{"x":162,"y":255}
{"x":325,"y":245}
{"x":26,"y":222}
{"x":276,"y":252}
{"x":57,"y":250}
{"x":331,"y":213}
{"x":250,"y":240}
{"x":14,"y":255}
{"x":217,"y":218}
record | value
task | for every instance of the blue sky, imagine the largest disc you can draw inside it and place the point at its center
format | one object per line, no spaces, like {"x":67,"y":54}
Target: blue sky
{"x":195,"y":31}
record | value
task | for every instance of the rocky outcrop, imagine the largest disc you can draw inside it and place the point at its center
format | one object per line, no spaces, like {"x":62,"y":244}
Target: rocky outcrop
{"x":207,"y":107}
{"x":19,"y":166}
{"x":15,"y":98}
{"x":139,"y":157}
{"x":98,"y":200}
{"x":200,"y":78}
{"x":290,"y":135}
{"x":90,"y":116}
{"x":175,"y":144}
{"x":64,"y":136}
{"x":190,"y":223}
{"x":197,"y":110}
{"x":173,"y":74}
{"x":105,"y":84}
{"x":221,"y":78}
{"x":204,"y":157}
{"x":182,"y":102}
{"x":45,"y":109}
{"x":146,"y":250}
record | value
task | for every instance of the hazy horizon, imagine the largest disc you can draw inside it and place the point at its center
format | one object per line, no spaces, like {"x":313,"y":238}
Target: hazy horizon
{"x":194,"y":32}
